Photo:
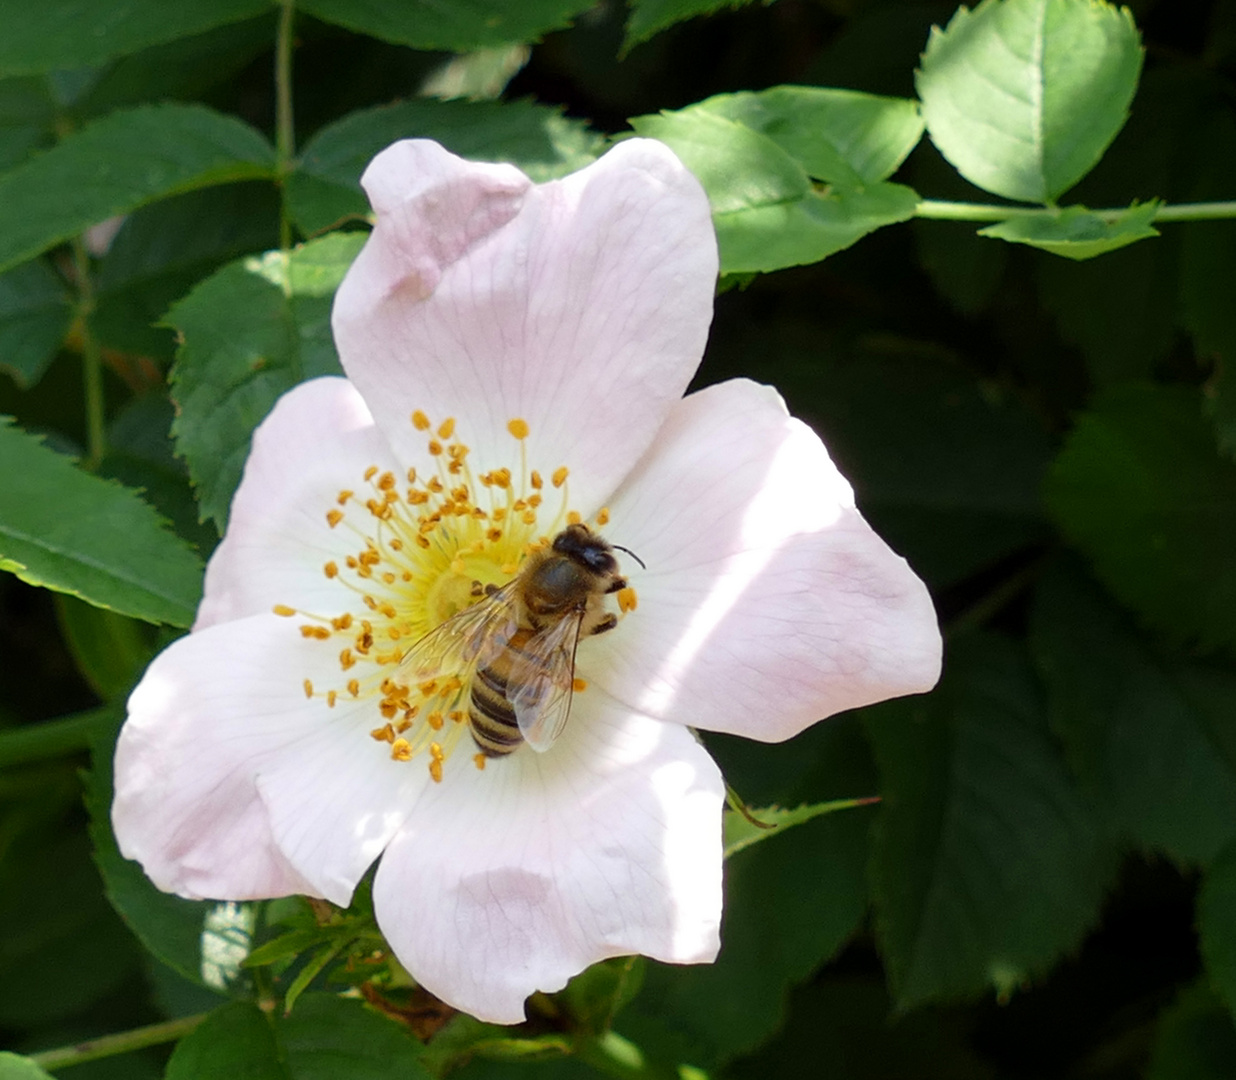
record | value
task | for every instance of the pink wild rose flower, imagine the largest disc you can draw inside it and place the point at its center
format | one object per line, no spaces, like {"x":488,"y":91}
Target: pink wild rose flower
{"x":516,"y":358}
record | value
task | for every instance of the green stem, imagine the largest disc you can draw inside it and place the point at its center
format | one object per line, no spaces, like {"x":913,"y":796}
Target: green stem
{"x":938,"y":210}
{"x":52,"y":738}
{"x":285,"y":131}
{"x":121,"y":1043}
{"x":92,"y":359}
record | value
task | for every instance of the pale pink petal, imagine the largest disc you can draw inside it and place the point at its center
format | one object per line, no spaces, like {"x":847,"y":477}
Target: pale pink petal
{"x":219,"y":723}
{"x":514,"y":879}
{"x":318,"y":440}
{"x":768,"y":602}
{"x":581,"y":306}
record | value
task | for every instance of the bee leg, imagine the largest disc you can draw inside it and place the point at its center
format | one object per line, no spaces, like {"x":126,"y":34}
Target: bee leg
{"x":477,"y":590}
{"x":490,"y":589}
{"x":607,"y":623}
{"x":616,"y":585}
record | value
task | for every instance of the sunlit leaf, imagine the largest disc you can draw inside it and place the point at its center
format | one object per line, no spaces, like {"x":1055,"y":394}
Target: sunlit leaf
{"x":66,"y":530}
{"x":1076,"y":233}
{"x":650,"y":17}
{"x":1023,"y":96}
{"x":16,"y":1067}
{"x":131,"y":157}
{"x":246,"y":341}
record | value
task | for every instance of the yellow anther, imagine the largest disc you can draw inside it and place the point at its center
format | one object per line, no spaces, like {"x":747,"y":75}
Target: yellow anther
{"x":386,"y":481}
{"x":435,"y":720}
{"x":354,"y":686}
{"x":501,"y":478}
{"x":333,"y":517}
{"x":627,"y":600}
{"x":509,"y":568}
{"x":518,"y":428}
{"x":435,"y":752}
{"x":343,"y":622}
{"x":435,"y":485}
{"x":422,"y":541}
{"x":403,"y":724}
{"x":536,"y":481}
{"x":435,"y":770}
{"x":447,"y":428}
{"x":420,"y":421}
{"x":385,"y":733}
{"x":603,"y":516}
{"x":401,"y":750}
{"x":479,"y":761}
{"x":417,"y":498}
{"x":534,"y":500}
{"x":347,"y":660}
{"x":371,"y":472}
{"x":284,"y":610}
{"x":435,"y":447}
{"x":428,"y":687}
{"x":573,"y":518}
{"x":308,"y":688}
{"x":395,"y":543}
{"x":457,"y":716}
{"x":528,"y":517}
{"x":343,"y":496}
{"x":319,"y":632}
{"x":559,"y":476}
{"x":579,"y":685}
{"x":388,"y":577}
{"x":331,"y":698}
{"x":331,"y":569}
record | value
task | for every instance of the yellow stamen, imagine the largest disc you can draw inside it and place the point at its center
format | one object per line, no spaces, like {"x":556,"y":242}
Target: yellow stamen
{"x":447,"y":428}
{"x":518,"y":428}
{"x":308,"y":688}
{"x":333,"y":517}
{"x":401,"y":750}
{"x":479,"y":761}
{"x":559,"y":477}
{"x":603,"y":516}
{"x":420,"y":421}
{"x":284,"y":610}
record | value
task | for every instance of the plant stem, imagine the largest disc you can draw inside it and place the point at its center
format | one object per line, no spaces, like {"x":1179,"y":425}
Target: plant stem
{"x":121,"y":1043}
{"x":938,"y":210}
{"x":92,"y":360}
{"x":285,"y":131}
{"x":52,"y":738}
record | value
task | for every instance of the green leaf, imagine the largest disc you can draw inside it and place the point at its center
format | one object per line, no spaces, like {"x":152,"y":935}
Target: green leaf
{"x":110,"y":650}
{"x":164,"y":249}
{"x":742,"y":831}
{"x":326,"y":185}
{"x":1147,"y":734}
{"x":27,"y":119}
{"x":236,"y":1040}
{"x":249,"y":333}
{"x":1216,"y":923}
{"x":838,"y":136}
{"x":1023,"y":96}
{"x":424,"y":24}
{"x":16,"y":1067}
{"x":987,"y":864}
{"x":72,"y":532}
{"x":1076,"y":233}
{"x":35,"y":312}
{"x":327,"y":1037}
{"x":170,"y":927}
{"x":78,"y":33}
{"x":650,"y":17}
{"x":1140,"y":490}
{"x":1196,"y":1039}
{"x":767,"y":213}
{"x":131,"y":158}
{"x":596,"y":994}
{"x":1120,"y":311}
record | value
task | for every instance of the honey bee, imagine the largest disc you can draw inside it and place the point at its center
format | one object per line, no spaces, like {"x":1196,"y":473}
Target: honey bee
{"x":518,"y":642}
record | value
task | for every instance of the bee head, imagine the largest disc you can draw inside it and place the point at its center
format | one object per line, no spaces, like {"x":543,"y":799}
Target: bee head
{"x":582,"y":545}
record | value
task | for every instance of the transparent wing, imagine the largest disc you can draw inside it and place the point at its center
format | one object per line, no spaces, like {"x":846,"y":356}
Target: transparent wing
{"x":468,"y":640}
{"x":541,"y":682}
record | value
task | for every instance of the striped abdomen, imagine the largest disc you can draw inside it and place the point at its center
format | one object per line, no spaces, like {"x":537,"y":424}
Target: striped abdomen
{"x":495,"y":728}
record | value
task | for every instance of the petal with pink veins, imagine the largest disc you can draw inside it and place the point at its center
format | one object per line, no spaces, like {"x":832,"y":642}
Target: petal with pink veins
{"x":216,"y":728}
{"x":768,"y":602}
{"x":515,"y":878}
{"x":317,"y":441}
{"x":581,"y":306}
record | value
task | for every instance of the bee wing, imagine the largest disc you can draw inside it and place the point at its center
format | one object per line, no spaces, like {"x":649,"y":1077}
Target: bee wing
{"x":467,"y":640}
{"x":542,"y":680}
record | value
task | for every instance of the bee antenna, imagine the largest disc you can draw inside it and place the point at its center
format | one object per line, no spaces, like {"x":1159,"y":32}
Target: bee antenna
{"x":619,"y":547}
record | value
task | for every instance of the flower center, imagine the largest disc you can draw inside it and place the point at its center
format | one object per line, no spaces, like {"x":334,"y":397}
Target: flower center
{"x":423,"y":549}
